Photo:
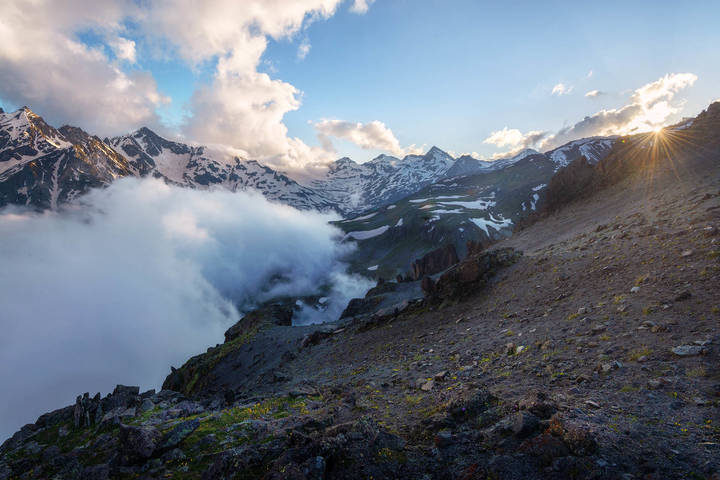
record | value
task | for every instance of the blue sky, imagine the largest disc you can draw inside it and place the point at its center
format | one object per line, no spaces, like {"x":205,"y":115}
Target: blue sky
{"x":426,"y":72}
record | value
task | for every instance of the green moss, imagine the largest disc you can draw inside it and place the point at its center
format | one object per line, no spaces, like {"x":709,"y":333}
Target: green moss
{"x":390,"y":455}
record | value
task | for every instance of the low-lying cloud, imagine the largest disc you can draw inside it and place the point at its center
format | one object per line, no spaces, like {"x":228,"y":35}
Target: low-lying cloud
{"x":140,"y":278}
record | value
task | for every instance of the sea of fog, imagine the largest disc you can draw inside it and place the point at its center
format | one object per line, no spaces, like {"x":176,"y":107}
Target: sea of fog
{"x":141,"y":276}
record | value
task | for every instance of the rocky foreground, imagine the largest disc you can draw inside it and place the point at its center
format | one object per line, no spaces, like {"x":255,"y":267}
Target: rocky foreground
{"x":585,"y":346}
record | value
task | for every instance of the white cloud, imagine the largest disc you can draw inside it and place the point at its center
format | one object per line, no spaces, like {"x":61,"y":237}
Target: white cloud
{"x":589,"y":74}
{"x":650,"y":106}
{"x":515,"y":139}
{"x":303,"y":49}
{"x":505,"y":137}
{"x":370,"y":136}
{"x":42,"y":65}
{"x":361,"y":6}
{"x":123,"y":48}
{"x":561,"y":89}
{"x":144,"y":277}
{"x":594,"y":93}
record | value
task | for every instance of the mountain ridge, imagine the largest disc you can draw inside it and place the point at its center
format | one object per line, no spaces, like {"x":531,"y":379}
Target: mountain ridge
{"x":347,"y":187}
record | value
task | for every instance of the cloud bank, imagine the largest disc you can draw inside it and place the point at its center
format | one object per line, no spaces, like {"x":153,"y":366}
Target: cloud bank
{"x":649,"y":107}
{"x":141,"y":278}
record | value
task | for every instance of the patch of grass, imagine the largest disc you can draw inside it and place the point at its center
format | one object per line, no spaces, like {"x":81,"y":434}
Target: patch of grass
{"x":647,"y":310}
{"x":509,"y":333}
{"x":413,"y":400}
{"x":639,"y":352}
{"x":390,"y":455}
{"x":605,"y":338}
{"x":697,"y":372}
{"x":618,"y":299}
{"x":573,"y":316}
{"x":629,"y":388}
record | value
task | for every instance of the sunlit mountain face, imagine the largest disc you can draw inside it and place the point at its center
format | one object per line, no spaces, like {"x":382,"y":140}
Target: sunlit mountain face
{"x":353,"y":239}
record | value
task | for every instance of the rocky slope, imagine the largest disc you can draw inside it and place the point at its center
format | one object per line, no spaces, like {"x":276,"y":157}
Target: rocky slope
{"x":592,"y":355}
{"x":479,"y":208}
{"x":44,"y":167}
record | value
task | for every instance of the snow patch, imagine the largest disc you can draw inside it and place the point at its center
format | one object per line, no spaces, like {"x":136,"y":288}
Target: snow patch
{"x":366,"y":234}
{"x":492,"y":222}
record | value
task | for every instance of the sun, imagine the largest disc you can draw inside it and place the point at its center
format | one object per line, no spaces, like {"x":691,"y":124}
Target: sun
{"x":657,"y":129}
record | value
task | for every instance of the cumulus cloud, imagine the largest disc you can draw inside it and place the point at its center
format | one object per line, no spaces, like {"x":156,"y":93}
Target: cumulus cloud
{"x":44,"y":66}
{"x":561,"y":89}
{"x":650,"y":106}
{"x":123,"y":48}
{"x":594,"y":93}
{"x":140,"y":278}
{"x":370,"y":136}
{"x":515,"y":139}
{"x":241,"y":106}
{"x":361,"y":6}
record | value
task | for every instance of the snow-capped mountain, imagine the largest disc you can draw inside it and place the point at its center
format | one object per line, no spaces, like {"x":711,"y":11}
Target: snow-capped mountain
{"x":43,"y":166}
{"x":357,"y":187}
{"x":46,"y":167}
{"x":200,"y":167}
{"x":593,"y":149}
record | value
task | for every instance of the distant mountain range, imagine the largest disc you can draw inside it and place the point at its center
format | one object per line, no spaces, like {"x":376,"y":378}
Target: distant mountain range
{"x":44,"y":167}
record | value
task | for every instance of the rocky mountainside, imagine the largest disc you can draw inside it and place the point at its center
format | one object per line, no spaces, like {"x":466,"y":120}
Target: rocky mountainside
{"x":471,"y":208}
{"x":200,"y":167}
{"x":44,"y":167}
{"x":585,"y":346}
{"x":358,"y":188}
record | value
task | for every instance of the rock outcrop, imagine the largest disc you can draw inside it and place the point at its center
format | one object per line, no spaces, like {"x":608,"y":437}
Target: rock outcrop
{"x":468,"y":276}
{"x":435,"y":262}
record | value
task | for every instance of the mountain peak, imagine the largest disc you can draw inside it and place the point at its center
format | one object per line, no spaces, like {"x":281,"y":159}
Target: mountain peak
{"x":525,"y":153}
{"x":145,"y":132}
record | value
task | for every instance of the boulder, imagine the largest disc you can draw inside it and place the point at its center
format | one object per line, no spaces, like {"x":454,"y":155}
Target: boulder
{"x":525,"y":424}
{"x":179,"y":433}
{"x":687,"y":350}
{"x":137,"y":444}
